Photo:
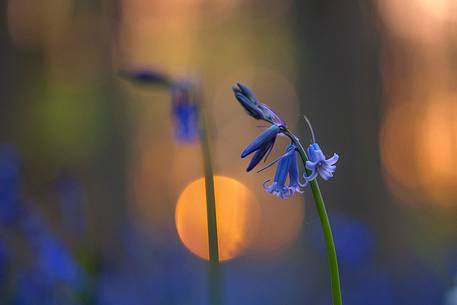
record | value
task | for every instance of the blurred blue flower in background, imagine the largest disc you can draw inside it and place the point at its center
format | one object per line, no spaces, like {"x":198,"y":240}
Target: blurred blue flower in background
{"x":184,"y":104}
{"x":55,"y":263}
{"x":49,"y":264}
{"x":30,"y":289}
{"x":3,"y":262}
{"x":9,"y":184}
{"x":51,"y":260}
{"x":30,"y":222}
{"x":270,"y":281}
{"x":372,"y":287}
{"x":145,"y":76}
{"x":353,"y":239}
{"x":142,"y":275}
{"x":70,"y":197}
{"x":184,"y":111}
{"x":450,"y":297}
{"x":419,"y":284}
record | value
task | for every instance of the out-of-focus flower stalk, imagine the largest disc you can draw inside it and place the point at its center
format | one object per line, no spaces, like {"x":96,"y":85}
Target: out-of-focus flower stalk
{"x":189,"y":88}
{"x":214,"y":282}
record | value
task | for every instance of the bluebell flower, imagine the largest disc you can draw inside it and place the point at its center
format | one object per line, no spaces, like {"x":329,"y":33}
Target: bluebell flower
{"x":184,"y":112}
{"x":287,"y":166}
{"x":262,"y":145}
{"x":353,"y":238}
{"x":52,"y":260}
{"x":55,"y":262}
{"x":184,"y":108}
{"x":70,"y":197}
{"x":31,"y":289}
{"x":254,"y":107}
{"x":9,"y":184}
{"x":146,"y":77}
{"x":318,"y":165}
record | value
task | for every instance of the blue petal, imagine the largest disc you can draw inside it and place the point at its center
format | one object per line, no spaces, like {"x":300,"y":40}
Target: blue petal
{"x":263,"y":139}
{"x":318,"y":155}
{"x":293,"y":168}
{"x":294,"y":180}
{"x":287,"y":154}
{"x":315,"y":153}
{"x":325,"y":174}
{"x":247,"y":92}
{"x":251,"y":108}
{"x":333,"y":159}
{"x":311,"y":165}
{"x":315,"y":146}
{"x":248,"y":100}
{"x":259,"y":154}
{"x":283,"y":193}
{"x":256,"y":109}
{"x":330,"y":168}
{"x":311,"y":154}
{"x":311,"y":177}
{"x":277,"y":190}
{"x":296,"y":189}
{"x":283,"y":169}
{"x":269,"y":114}
{"x":267,"y":188}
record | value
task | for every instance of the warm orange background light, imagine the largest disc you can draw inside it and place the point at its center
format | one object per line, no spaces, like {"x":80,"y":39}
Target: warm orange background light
{"x":237,"y":217}
{"x":418,"y":20}
{"x":418,"y":144}
{"x":282,"y":222}
{"x":38,"y":23}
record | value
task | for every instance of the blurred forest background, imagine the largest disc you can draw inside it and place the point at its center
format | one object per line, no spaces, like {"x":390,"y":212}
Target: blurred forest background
{"x":97,"y":189}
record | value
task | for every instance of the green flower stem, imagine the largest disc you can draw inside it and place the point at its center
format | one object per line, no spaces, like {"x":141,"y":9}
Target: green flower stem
{"x":214,"y":267}
{"x":325,"y":223}
{"x":210,"y":198}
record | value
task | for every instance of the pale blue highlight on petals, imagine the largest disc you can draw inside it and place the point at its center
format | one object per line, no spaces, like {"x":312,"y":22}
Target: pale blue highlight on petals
{"x":318,"y":165}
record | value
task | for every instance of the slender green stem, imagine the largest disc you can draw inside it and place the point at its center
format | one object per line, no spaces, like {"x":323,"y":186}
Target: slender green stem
{"x":210,"y":197}
{"x":331,"y":251}
{"x":214,"y":268}
{"x":325,"y":223}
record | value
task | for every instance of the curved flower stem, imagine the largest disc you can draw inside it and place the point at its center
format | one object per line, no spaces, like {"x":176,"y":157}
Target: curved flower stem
{"x":214,"y":279}
{"x":325,"y":223}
